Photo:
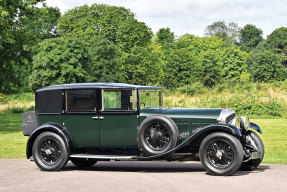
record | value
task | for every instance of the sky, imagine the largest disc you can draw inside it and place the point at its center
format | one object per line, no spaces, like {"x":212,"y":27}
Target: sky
{"x":192,"y":16}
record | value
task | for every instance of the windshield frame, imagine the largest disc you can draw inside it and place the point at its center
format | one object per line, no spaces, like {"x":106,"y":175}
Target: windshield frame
{"x":150,"y":90}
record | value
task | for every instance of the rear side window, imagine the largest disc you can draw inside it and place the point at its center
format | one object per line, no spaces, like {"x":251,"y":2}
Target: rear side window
{"x":81,"y":100}
{"x":49,"y":102}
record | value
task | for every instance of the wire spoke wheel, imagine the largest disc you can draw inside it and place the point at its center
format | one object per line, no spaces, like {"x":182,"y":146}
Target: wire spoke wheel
{"x":49,"y":152}
{"x":157,"y":136}
{"x":220,"y":154}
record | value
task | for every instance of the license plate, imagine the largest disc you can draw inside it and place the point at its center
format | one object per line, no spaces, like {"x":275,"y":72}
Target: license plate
{"x":255,"y":155}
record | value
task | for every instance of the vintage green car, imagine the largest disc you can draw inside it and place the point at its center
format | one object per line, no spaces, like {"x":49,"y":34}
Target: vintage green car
{"x":90,"y":122}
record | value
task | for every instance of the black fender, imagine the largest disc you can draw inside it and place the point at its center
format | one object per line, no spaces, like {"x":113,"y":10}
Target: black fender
{"x":227,"y":128}
{"x":255,"y":127}
{"x":53,"y":127}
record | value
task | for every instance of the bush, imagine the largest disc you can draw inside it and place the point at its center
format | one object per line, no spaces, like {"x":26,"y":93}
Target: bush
{"x":220,"y":87}
{"x":2,"y":98}
{"x":20,"y":97}
{"x":192,"y":89}
{"x":283,"y":84}
{"x":248,"y":104}
{"x":16,"y":109}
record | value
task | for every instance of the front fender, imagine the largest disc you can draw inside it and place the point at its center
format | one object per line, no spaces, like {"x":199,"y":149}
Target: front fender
{"x":255,"y":127}
{"x":199,"y":132}
{"x":53,"y":127}
{"x":222,"y":127}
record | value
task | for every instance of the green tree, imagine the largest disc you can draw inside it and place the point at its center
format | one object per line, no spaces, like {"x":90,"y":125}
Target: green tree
{"x":133,"y":33}
{"x":228,"y":32}
{"x":234,"y":63}
{"x":250,"y":37}
{"x":119,"y":45}
{"x":60,"y":60}
{"x":143,"y":65}
{"x":166,"y":39}
{"x":198,"y":44}
{"x":265,"y":66}
{"x":23,"y":26}
{"x":207,"y":53}
{"x":86,"y":22}
{"x":212,"y":68}
{"x":277,"y":42}
{"x":181,"y":69}
{"x":103,"y":65}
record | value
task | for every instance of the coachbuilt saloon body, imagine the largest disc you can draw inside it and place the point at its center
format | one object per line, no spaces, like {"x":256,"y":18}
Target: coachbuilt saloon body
{"x":91,"y":122}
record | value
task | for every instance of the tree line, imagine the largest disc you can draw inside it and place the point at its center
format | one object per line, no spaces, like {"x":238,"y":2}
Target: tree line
{"x":103,"y":43}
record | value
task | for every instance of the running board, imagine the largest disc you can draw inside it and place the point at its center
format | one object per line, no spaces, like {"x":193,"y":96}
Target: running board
{"x":111,"y":157}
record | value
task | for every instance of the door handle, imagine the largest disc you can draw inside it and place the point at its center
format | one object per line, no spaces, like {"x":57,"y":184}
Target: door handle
{"x":101,"y":117}
{"x":95,"y":117}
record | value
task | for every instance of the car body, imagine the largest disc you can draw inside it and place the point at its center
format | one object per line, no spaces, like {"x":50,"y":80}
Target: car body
{"x":90,"y":122}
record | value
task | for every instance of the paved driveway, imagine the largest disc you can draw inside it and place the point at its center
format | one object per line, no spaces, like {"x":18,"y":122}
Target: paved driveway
{"x":24,"y":175}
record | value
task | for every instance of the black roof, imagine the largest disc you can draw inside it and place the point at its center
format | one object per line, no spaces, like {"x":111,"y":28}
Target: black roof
{"x":96,"y":85}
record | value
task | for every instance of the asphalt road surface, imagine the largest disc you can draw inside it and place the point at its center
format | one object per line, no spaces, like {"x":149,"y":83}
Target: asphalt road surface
{"x":24,"y":175}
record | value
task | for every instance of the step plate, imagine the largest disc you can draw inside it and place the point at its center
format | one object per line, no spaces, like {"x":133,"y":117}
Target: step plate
{"x":112,"y":157}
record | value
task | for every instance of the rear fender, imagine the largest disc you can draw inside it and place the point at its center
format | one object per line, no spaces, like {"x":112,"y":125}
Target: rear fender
{"x":53,"y":127}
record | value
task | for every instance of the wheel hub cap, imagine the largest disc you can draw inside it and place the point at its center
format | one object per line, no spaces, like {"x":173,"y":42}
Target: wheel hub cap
{"x":157,"y":136}
{"x":48,"y":151}
{"x":218,"y":154}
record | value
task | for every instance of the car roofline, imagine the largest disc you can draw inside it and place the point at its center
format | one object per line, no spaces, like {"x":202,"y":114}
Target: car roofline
{"x":96,"y":85}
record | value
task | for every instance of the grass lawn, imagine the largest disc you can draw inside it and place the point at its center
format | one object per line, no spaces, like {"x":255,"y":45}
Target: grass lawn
{"x":275,"y":139}
{"x":12,"y":140}
{"x":13,"y":143}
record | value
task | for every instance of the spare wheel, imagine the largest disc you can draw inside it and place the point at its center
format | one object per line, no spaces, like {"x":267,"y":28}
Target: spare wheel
{"x":157,"y":134}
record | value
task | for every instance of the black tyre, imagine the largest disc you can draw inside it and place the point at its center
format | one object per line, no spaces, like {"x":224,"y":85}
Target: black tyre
{"x":221,"y":154}
{"x":83,"y":163}
{"x":50,"y":152}
{"x":157,"y":134}
{"x":253,"y":163}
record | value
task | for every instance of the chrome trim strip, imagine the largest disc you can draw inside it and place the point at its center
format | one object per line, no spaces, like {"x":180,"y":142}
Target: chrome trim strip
{"x":102,"y":91}
{"x":178,"y":116}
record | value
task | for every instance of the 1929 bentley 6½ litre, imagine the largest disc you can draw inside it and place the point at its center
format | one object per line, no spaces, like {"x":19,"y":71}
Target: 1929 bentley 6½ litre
{"x":90,"y":122}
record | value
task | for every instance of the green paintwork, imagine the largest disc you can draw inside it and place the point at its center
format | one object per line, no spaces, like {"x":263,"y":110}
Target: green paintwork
{"x":116,"y":130}
{"x":49,"y":118}
{"x":83,"y":129}
{"x":119,"y":130}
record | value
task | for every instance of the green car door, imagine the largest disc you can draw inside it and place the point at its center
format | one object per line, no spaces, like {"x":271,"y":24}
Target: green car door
{"x":81,"y":117}
{"x":118,"y":119}
{"x":84,"y":129}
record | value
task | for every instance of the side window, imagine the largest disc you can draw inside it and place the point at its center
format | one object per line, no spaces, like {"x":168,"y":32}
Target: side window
{"x":81,"y":100}
{"x":122,"y":100}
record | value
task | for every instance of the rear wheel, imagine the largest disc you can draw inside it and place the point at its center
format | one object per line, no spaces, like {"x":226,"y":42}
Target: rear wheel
{"x":83,"y":163}
{"x":221,"y":154}
{"x":50,"y":152}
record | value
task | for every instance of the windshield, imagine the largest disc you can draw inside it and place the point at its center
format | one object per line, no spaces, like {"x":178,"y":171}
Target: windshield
{"x":150,"y":98}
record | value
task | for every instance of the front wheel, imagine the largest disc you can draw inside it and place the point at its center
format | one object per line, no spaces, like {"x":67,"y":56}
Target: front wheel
{"x":50,"y":152}
{"x":221,"y":154}
{"x":251,"y":164}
